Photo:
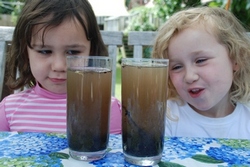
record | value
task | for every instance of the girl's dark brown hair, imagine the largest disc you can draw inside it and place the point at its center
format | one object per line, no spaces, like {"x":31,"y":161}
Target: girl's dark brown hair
{"x":48,"y":13}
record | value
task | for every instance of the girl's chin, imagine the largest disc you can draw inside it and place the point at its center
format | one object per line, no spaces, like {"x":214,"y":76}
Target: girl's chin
{"x":198,"y":108}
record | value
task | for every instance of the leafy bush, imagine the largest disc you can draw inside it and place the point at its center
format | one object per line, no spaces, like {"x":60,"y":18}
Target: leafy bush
{"x":140,"y":19}
{"x":11,"y":7}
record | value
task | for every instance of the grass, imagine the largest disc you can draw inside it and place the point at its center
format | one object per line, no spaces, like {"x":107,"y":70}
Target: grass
{"x":118,"y":82}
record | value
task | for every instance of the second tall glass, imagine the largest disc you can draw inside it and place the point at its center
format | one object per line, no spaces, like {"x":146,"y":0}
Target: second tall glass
{"x":144,"y":96}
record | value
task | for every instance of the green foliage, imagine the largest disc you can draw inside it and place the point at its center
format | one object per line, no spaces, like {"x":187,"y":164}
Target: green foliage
{"x":162,"y":10}
{"x":8,"y":6}
{"x":16,"y":11}
{"x":166,"y":8}
{"x":140,"y":20}
{"x":127,"y":3}
{"x":5,"y":7}
{"x":218,"y":3}
{"x":11,"y":7}
{"x":241,"y":9}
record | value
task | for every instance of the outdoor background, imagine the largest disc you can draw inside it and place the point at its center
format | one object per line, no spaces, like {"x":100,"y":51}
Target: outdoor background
{"x":134,"y":15}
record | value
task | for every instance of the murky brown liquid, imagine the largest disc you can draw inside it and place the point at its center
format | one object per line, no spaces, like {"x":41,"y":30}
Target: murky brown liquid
{"x":88,"y":106}
{"x":143,"y":110}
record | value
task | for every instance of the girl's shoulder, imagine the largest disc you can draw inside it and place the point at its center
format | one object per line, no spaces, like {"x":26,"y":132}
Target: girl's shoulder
{"x":247,"y":105}
{"x":176,"y":104}
{"x":174,"y":108}
{"x":243,"y":107}
{"x":19,"y":96}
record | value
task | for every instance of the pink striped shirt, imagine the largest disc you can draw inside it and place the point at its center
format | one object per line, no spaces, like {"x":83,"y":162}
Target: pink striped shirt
{"x":38,"y":110}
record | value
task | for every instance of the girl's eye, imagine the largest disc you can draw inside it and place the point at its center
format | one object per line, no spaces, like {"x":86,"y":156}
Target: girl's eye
{"x":45,"y":52}
{"x":176,"y":67}
{"x":73,"y":52}
{"x":200,"y":61}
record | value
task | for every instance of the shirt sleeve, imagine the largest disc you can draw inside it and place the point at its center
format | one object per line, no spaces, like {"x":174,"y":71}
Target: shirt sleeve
{"x":115,"y":116}
{"x":4,"y":125}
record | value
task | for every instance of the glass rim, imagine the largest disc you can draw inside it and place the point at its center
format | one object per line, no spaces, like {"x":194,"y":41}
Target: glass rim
{"x":145,"y":59}
{"x":89,"y":57}
{"x":152,"y":62}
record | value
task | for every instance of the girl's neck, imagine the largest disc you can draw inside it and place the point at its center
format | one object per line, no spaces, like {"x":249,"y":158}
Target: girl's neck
{"x":217,"y":111}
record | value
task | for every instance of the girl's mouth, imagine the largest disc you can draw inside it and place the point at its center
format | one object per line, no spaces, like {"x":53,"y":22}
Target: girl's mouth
{"x":57,"y":80}
{"x":195,"y":92}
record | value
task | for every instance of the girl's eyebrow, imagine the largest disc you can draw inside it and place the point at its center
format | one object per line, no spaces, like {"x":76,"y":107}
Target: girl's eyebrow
{"x":49,"y":46}
{"x":75,"y":45}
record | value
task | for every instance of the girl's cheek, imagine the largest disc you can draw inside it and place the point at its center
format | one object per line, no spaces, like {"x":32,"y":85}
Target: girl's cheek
{"x":175,"y":78}
{"x":171,"y":76}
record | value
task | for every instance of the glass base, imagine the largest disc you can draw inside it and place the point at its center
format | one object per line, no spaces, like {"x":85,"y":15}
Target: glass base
{"x":87,"y":156}
{"x":143,"y":161}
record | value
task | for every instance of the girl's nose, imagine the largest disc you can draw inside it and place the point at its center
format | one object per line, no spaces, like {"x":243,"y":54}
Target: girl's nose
{"x":191,"y":76}
{"x":59,"y":63}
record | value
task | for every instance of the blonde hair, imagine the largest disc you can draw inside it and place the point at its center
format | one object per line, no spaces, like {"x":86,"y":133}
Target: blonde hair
{"x":227,"y":30}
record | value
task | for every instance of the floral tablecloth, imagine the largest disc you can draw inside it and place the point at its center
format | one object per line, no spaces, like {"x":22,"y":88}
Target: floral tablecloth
{"x":50,"y":149}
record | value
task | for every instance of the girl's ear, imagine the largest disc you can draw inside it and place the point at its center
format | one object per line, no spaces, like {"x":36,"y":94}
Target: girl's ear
{"x":235,"y":66}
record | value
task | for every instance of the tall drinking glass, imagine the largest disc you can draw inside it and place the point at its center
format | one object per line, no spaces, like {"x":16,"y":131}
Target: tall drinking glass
{"x":88,"y":106}
{"x":144,"y":96}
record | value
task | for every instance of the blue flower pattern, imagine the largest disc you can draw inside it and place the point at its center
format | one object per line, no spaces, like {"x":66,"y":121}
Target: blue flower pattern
{"x":38,"y":149}
{"x":236,"y":153}
{"x":182,"y":148}
{"x":31,"y":149}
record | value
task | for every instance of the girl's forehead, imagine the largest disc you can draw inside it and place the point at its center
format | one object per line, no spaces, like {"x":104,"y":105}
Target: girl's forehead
{"x":204,"y":26}
{"x":45,"y":27}
{"x":69,"y":30}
